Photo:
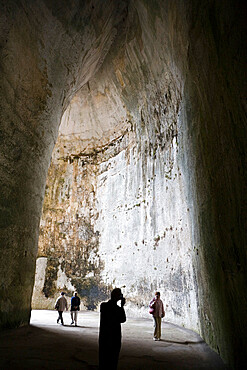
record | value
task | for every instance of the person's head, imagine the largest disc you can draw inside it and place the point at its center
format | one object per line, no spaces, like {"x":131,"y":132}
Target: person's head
{"x":116,"y":294}
{"x":75,"y":294}
{"x":157,"y":295}
{"x":62,"y":293}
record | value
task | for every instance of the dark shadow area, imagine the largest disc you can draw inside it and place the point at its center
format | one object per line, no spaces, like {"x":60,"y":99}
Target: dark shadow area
{"x":46,"y":345}
{"x":31,"y":347}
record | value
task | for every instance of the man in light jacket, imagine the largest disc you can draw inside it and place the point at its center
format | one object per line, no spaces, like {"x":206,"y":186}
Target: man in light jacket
{"x":61,"y":305}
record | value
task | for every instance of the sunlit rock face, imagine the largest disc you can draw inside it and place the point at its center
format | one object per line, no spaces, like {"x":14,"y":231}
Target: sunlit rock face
{"x":115,"y":211}
{"x":146,"y":186}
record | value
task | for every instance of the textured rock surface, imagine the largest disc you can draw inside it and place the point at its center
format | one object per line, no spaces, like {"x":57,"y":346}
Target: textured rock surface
{"x":160,"y":87}
{"x":115,"y":212}
{"x":120,"y":219}
{"x":44,"y":59}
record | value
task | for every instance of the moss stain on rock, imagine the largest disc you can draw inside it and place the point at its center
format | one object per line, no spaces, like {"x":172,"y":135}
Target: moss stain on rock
{"x":50,"y":277}
{"x":67,"y":236}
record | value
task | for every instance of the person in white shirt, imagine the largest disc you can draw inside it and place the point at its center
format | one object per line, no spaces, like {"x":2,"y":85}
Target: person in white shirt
{"x":158,"y":313}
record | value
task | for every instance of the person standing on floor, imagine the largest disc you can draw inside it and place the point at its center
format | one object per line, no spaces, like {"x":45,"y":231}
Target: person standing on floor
{"x":61,"y":305}
{"x":111,"y":317}
{"x":158,"y":313}
{"x":75,"y":307}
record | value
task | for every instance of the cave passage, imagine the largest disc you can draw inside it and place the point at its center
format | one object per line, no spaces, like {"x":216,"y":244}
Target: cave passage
{"x":122,"y":160}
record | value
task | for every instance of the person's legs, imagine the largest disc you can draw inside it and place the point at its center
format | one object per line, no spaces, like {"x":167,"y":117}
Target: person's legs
{"x":158,"y":327}
{"x":75,"y":316}
{"x":114,"y":358}
{"x":103,"y":354}
{"x":61,"y":316}
{"x":155,"y":327}
{"x":72,"y":317}
{"x":109,"y":349}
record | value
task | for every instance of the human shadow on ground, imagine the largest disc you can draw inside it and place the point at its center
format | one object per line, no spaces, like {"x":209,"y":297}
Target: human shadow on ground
{"x":183,"y":343}
{"x":79,"y":327}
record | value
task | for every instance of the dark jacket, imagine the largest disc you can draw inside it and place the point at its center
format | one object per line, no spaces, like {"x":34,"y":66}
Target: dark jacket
{"x":111,"y":317}
{"x":75,"y":304}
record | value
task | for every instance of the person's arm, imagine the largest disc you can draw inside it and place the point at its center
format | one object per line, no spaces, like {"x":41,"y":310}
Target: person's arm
{"x":56,"y":305}
{"x":163,"y":311}
{"x":122,"y":316}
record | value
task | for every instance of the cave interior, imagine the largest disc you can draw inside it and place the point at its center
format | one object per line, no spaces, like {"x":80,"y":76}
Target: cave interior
{"x":123,"y":137}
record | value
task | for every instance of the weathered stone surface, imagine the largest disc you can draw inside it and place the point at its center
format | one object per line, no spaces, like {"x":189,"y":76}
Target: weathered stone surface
{"x":116,"y":174}
{"x":160,"y":88}
{"x":48,"y":50}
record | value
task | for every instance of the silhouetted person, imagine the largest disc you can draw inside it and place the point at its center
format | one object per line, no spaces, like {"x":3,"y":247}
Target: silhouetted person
{"x":158,"y":313}
{"x":75,"y":307}
{"x":111,"y":317}
{"x":61,"y":305}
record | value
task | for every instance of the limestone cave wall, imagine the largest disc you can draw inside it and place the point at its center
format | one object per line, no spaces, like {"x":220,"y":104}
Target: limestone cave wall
{"x":116,"y":214}
{"x":48,"y":50}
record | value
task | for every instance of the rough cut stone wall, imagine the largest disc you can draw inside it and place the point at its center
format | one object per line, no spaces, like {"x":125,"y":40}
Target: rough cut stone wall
{"x":118,"y":218}
{"x":115,"y":213}
{"x":48,"y":50}
{"x":213,"y":142}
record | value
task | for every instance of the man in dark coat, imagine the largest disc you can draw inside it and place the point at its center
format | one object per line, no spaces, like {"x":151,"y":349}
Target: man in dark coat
{"x":75,"y":307}
{"x":111,"y":317}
